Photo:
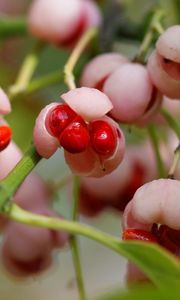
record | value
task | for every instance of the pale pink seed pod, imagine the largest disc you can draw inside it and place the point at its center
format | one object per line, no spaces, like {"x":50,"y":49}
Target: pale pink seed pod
{"x":89,"y":103}
{"x":26,"y":250}
{"x":152,"y":110}
{"x":168,"y":43}
{"x":155,"y":202}
{"x":161,"y":79}
{"x":55,"y":20}
{"x":92,"y":14}
{"x":88,"y":163}
{"x":168,"y":48}
{"x":109,"y":185}
{"x":130,"y":89}
{"x":46,"y":145}
{"x":135,"y":275}
{"x":33,"y":191}
{"x":5,"y":106}
{"x":81,"y":163}
{"x":99,"y":68}
{"x":8,"y":159}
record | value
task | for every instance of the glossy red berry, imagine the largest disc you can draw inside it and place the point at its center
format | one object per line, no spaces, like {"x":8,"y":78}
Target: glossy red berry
{"x":138,"y":234}
{"x":59,"y":118}
{"x":75,"y":138}
{"x":5,"y":136}
{"x":103,"y":139}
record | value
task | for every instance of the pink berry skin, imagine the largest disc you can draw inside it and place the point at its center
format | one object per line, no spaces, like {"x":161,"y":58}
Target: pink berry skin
{"x":26,"y":250}
{"x":5,"y":106}
{"x":168,"y":44}
{"x":46,"y":144}
{"x":89,"y":103}
{"x":165,"y":83}
{"x":152,"y":110}
{"x":168,"y":49}
{"x":62,"y":23}
{"x":130,"y":90}
{"x":92,"y":15}
{"x":160,"y":210}
{"x":54,"y":20}
{"x":99,"y":68}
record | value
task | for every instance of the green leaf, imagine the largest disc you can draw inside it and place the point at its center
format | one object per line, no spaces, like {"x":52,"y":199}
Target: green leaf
{"x":160,"y":266}
{"x":145,"y":293}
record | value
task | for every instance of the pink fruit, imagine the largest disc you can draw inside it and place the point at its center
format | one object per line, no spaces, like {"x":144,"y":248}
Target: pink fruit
{"x":164,"y":82}
{"x":62,"y":23}
{"x":89,"y":103}
{"x":99,"y":68}
{"x":130,"y":90}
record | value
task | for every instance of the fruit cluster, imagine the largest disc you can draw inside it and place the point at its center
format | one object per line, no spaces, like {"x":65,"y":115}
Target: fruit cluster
{"x":87,"y":124}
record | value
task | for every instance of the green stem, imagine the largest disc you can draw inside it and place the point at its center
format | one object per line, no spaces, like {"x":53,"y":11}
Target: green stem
{"x":74,"y":242}
{"x":11,"y":27}
{"x":155,"y":143}
{"x":171,"y":122}
{"x":69,"y":77}
{"x":22,"y":216}
{"x":10,"y":184}
{"x":27,"y":70}
{"x":154,"y":26}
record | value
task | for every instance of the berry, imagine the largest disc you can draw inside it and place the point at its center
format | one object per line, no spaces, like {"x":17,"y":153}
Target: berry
{"x":99,"y":68}
{"x":75,"y":138}
{"x":138,"y":234}
{"x":130,"y":90}
{"x":168,"y":49}
{"x":62,"y":22}
{"x":59,"y":118}
{"x":162,"y":79}
{"x":169,"y":238}
{"x":102,"y":136}
{"x":5,"y":136}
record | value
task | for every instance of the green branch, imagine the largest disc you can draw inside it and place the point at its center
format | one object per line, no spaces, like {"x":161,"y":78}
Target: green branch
{"x":155,"y":143}
{"x":74,"y":241}
{"x":11,"y":27}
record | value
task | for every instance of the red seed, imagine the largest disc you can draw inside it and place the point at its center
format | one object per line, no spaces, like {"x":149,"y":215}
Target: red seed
{"x":5,"y":136}
{"x":103,"y":138}
{"x":59,"y":118}
{"x":75,"y":138}
{"x":170,"y":239}
{"x":138,"y":234}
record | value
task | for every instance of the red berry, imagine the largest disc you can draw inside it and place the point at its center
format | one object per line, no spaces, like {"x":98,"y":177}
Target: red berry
{"x":103,"y":138}
{"x":169,"y":239}
{"x":5,"y":136}
{"x":59,"y":118}
{"x":75,"y":138}
{"x":138,"y":234}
